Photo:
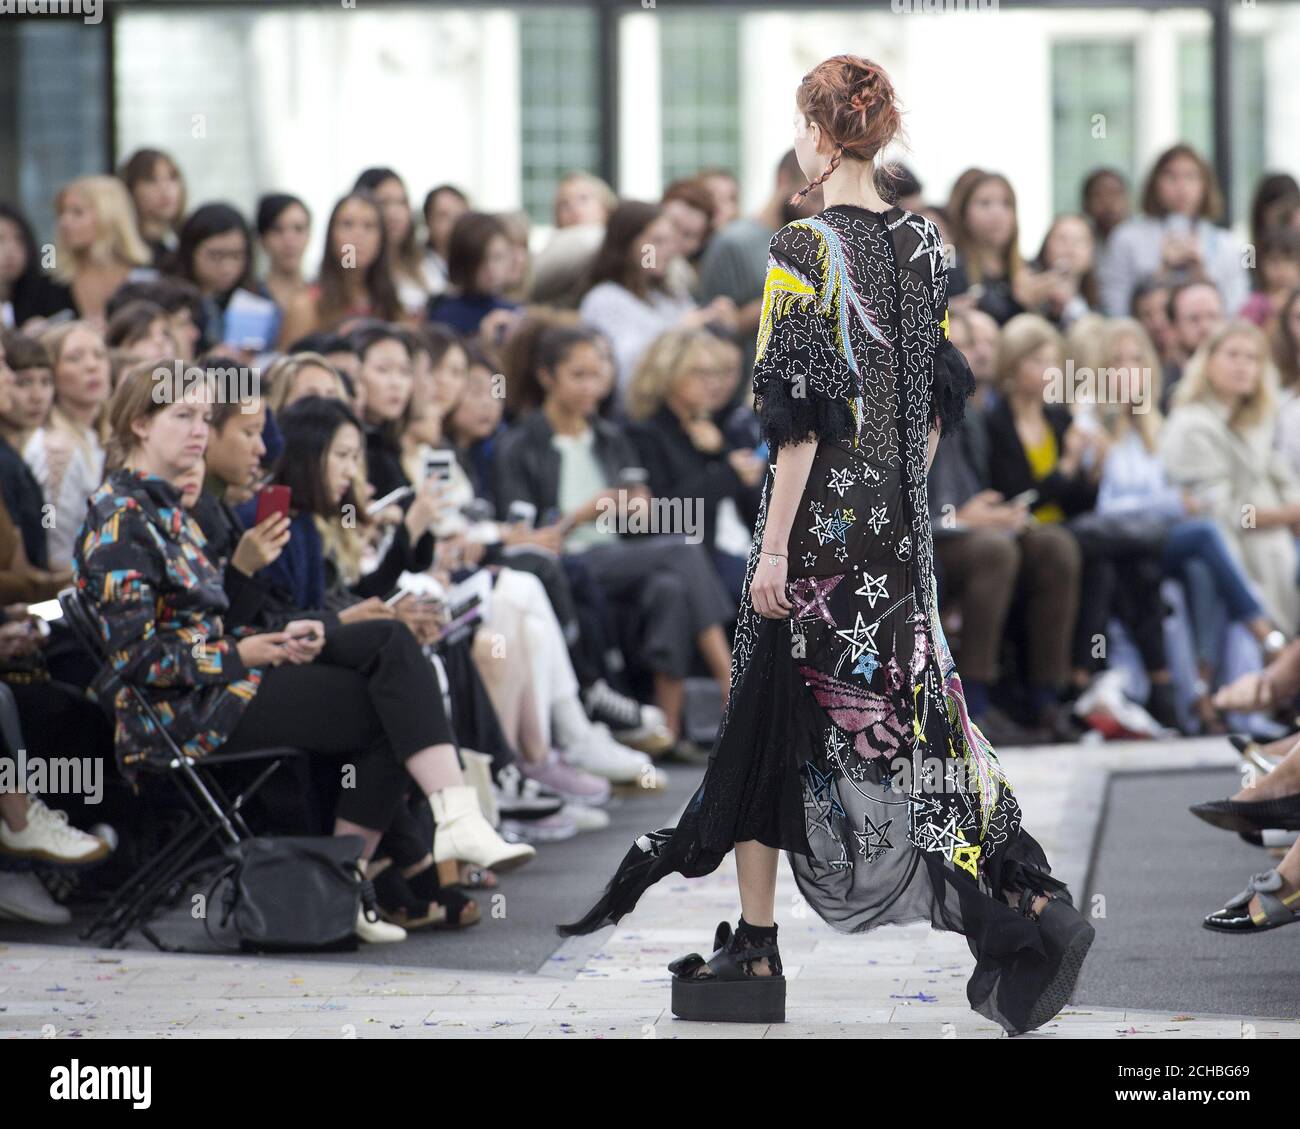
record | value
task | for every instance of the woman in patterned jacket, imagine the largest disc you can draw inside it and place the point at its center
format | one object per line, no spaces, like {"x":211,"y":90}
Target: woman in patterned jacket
{"x":159,"y":603}
{"x":847,"y":742}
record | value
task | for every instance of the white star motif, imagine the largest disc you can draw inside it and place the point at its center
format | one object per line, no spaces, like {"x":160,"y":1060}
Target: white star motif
{"x":840,"y":480}
{"x":873,"y":588}
{"x":877,"y":521}
{"x":823,"y":528}
{"x":861,"y":637}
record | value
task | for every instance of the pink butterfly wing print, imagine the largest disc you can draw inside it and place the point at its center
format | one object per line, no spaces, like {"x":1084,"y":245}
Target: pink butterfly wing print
{"x":870,"y":718}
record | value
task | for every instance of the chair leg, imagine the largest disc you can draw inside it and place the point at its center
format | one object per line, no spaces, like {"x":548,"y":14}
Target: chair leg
{"x":143,"y":903}
{"x":128,"y":892}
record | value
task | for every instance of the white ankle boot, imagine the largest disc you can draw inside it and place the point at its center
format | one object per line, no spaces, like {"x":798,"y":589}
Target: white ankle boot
{"x":463,"y":833}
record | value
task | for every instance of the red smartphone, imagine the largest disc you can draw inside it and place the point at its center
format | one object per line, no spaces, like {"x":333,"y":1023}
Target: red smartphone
{"x":272,"y":500}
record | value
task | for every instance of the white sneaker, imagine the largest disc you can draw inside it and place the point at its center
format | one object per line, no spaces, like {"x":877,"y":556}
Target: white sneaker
{"x":49,"y":837}
{"x":23,"y":898}
{"x":377,"y":932}
{"x":463,"y":833}
{"x":587,"y":819}
{"x":601,"y":755}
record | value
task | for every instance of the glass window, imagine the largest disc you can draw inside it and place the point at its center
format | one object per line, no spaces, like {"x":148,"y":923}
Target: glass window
{"x":559,"y":110}
{"x":1249,"y":109}
{"x":1092,"y":114}
{"x":699,"y":63}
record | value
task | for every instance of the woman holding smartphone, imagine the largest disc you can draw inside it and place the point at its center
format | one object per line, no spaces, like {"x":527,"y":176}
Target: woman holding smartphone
{"x":160,"y":607}
{"x":1178,"y":232}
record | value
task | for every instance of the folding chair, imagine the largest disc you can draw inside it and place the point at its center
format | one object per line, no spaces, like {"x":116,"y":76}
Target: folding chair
{"x":214,"y":821}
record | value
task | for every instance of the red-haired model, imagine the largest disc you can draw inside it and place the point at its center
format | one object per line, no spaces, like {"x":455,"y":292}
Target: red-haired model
{"x":846,"y":741}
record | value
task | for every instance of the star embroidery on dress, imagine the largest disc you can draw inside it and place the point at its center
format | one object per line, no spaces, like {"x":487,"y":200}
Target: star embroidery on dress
{"x":872,"y":839}
{"x":836,"y":746}
{"x":904,"y":548}
{"x":809,"y":559}
{"x":822,"y":786}
{"x":808,"y":595}
{"x":877,"y":521}
{"x":868,"y":664}
{"x":861,"y":637}
{"x":841,"y":479}
{"x":842,"y":555}
{"x":820,"y":802}
{"x":843,"y":862}
{"x":873,"y":588}
{"x":815,"y":507}
{"x":840,"y":522}
{"x":822,"y":529}
{"x":944,"y":840}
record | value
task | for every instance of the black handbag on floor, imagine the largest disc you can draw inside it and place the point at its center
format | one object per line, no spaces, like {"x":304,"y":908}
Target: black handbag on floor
{"x":293,"y":893}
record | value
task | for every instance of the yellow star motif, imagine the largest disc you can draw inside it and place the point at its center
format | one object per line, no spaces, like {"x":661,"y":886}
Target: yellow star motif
{"x":944,"y":324}
{"x":966,"y":857}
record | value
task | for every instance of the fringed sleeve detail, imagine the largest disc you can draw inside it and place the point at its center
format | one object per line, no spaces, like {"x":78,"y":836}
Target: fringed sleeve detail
{"x":790,"y":418}
{"x":800,"y":373}
{"x":953,"y":385}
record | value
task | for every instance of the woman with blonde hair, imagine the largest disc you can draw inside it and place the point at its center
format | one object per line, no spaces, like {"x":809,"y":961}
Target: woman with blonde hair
{"x":98,"y":247}
{"x":1218,"y":445}
{"x":1134,"y":483}
{"x":583,"y":204}
{"x":67,"y":454}
{"x":300,"y":375}
{"x":670,"y":402}
{"x":1038,"y":444}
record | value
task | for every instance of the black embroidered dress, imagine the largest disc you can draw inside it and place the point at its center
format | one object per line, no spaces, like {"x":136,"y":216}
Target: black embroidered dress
{"x":846,"y":742}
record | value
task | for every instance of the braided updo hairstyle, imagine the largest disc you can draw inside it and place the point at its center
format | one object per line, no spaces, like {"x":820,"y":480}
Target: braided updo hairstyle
{"x":852,"y":100}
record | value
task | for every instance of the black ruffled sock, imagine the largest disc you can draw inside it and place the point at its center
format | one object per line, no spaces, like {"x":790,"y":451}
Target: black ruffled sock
{"x":759,"y":933}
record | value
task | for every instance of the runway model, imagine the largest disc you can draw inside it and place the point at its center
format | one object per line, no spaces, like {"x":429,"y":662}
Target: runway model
{"x":846,"y":741}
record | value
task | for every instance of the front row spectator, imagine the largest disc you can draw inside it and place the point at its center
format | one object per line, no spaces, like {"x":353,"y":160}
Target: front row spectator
{"x":991,"y":552}
{"x":160,"y":603}
{"x":1218,"y":445}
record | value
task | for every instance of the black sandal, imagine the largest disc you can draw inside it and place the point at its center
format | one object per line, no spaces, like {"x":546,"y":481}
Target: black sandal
{"x":429,"y":907}
{"x":725,"y":988}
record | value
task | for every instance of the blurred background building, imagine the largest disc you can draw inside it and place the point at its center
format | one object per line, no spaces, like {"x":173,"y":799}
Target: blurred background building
{"x":502,"y":101}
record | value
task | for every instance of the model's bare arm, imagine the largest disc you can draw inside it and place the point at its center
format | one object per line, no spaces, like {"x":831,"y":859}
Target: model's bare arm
{"x":767,"y":591}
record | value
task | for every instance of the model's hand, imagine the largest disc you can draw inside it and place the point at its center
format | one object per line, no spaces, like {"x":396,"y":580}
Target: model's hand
{"x":767,"y":590}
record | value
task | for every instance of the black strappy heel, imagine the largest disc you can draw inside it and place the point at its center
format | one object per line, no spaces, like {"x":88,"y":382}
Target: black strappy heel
{"x":730,"y":991}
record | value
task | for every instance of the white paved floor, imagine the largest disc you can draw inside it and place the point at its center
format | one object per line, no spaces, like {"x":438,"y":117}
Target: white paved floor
{"x":898,"y":982}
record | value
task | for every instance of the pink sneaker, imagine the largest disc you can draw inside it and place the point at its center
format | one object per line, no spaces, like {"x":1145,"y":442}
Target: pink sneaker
{"x":572,"y":783}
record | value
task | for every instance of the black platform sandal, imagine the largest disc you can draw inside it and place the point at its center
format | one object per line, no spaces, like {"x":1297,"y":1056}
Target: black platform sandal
{"x":725,"y":988}
{"x":1067,"y":937}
